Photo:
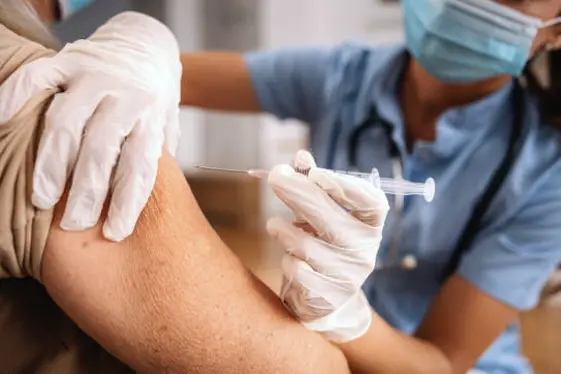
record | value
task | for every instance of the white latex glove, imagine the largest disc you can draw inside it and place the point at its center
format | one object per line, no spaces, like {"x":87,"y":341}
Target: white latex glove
{"x":331,"y":249}
{"x":120,"y":104}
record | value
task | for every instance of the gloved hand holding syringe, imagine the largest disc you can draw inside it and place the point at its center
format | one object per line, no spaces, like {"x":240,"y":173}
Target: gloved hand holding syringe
{"x":388,"y":185}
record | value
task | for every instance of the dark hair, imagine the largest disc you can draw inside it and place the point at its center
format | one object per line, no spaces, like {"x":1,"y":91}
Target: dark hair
{"x":549,"y":94}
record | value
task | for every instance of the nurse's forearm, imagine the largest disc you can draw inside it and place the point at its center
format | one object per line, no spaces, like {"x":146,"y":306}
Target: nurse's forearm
{"x":217,"y":81}
{"x":385,"y":350}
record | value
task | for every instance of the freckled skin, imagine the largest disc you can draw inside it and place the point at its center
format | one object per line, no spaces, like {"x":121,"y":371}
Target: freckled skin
{"x":173,"y":298}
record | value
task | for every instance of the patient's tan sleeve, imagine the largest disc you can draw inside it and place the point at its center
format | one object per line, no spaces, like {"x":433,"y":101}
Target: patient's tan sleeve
{"x":35,"y":335}
{"x":23,"y":229}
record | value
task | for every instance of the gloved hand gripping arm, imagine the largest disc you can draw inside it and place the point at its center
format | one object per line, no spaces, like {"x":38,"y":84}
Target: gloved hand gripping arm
{"x":119,"y":104}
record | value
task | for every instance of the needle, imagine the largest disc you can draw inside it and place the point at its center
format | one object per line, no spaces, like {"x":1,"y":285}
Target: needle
{"x":388,"y":185}
{"x":227,"y":170}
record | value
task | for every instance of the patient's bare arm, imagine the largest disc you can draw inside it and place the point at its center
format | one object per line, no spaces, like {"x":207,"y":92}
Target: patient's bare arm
{"x":173,"y":298}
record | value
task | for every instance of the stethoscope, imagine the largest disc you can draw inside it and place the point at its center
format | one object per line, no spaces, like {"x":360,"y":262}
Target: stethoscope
{"x":410,"y":261}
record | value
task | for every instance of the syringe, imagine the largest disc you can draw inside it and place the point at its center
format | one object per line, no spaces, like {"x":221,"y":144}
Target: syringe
{"x":388,"y":185}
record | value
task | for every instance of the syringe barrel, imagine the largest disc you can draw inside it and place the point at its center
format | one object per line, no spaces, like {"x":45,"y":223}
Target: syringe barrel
{"x":388,"y":185}
{"x":403,"y":187}
{"x":372,"y":177}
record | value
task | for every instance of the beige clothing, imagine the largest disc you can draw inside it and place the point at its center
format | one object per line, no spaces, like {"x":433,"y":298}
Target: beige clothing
{"x":23,"y":229}
{"x":35,"y":336}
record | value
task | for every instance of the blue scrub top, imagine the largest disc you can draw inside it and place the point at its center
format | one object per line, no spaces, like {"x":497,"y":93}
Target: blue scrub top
{"x":333,"y":88}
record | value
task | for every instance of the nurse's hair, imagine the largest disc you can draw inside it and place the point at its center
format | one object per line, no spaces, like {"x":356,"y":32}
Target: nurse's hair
{"x":543,"y":78}
{"x":20,"y":17}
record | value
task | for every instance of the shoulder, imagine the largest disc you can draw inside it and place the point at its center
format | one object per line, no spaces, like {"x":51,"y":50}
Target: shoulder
{"x":355,"y":64}
{"x":359,"y":56}
{"x":516,"y":251}
{"x":540,"y":157}
{"x":348,"y":62}
{"x":533,"y":197}
{"x":540,"y":173}
{"x":536,"y":175}
{"x":307,"y":82}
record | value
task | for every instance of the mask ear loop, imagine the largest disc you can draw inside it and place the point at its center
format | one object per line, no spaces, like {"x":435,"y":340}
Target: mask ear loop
{"x":552,"y":22}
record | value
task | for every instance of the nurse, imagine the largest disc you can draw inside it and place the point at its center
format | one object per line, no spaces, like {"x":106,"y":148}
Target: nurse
{"x":446,"y":105}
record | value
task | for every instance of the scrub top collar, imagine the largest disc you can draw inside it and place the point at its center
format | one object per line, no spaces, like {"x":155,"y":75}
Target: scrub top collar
{"x":455,"y":127}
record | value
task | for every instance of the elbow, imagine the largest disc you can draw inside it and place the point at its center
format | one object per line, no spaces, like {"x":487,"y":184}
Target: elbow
{"x":445,"y":365}
{"x":437,"y":361}
{"x":447,"y":368}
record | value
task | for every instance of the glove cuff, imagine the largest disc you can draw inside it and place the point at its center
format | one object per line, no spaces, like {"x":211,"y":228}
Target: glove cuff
{"x":349,"y":322}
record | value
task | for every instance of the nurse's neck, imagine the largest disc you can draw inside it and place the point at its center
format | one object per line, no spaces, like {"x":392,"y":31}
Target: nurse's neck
{"x":424,"y":99}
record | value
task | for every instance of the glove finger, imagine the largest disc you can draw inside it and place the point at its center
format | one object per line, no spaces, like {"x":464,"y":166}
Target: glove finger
{"x":303,"y":161}
{"x":60,"y":142}
{"x":360,"y":197}
{"x":26,"y":82}
{"x":310,"y":294}
{"x":134,"y":179}
{"x":303,"y":304}
{"x":294,"y":241}
{"x":172,"y":131}
{"x":101,"y":145}
{"x":304,"y":226}
{"x":310,"y":203}
{"x":347,"y":267}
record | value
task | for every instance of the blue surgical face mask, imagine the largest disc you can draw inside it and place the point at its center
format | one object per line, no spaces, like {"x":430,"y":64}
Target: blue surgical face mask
{"x":468,"y":40}
{"x":70,"y":7}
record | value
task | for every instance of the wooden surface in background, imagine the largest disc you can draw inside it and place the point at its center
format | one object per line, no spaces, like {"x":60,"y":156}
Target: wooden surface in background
{"x":227,"y":199}
{"x":541,"y":327}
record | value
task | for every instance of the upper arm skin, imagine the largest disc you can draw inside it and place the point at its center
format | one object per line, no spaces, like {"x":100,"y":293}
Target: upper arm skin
{"x":173,"y":298}
{"x":288,"y":83}
{"x":217,"y":81}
